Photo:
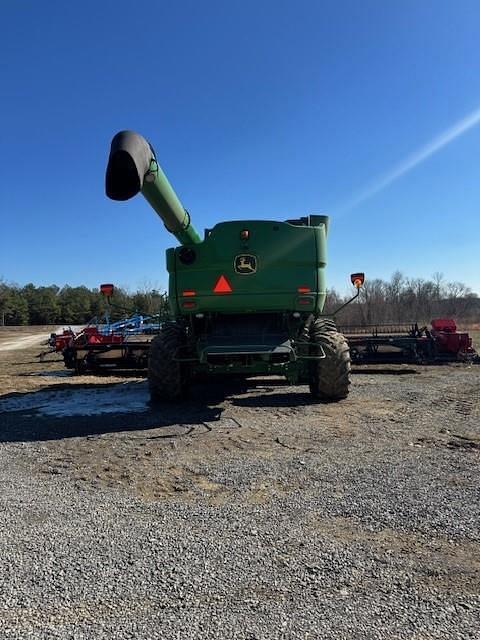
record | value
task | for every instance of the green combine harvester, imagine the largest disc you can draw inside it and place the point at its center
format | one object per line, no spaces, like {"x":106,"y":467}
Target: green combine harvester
{"x":246,"y":300}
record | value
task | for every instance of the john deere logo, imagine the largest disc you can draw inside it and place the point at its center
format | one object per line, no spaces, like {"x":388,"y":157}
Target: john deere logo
{"x":245,"y":264}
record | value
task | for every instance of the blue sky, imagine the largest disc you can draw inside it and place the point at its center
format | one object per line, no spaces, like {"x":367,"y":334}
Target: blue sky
{"x":263,"y":109}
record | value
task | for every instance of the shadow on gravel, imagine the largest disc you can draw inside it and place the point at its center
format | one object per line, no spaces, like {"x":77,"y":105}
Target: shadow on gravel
{"x":291,"y":399}
{"x":60,"y":411}
{"x":62,"y":373}
{"x":33,"y":422}
{"x":386,"y":372}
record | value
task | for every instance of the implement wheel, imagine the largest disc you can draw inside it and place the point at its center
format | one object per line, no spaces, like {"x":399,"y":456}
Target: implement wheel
{"x":80,"y":366}
{"x":166,"y":377}
{"x":329,"y":377}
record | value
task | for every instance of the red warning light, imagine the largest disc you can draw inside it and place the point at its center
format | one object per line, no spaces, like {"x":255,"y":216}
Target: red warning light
{"x":106,"y":289}
{"x":222,"y":285}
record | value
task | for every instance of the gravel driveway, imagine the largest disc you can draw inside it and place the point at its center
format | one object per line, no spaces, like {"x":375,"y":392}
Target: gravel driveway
{"x":246,"y":512}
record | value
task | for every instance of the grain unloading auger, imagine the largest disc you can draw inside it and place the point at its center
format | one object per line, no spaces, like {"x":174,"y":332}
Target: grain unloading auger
{"x":246,"y":300}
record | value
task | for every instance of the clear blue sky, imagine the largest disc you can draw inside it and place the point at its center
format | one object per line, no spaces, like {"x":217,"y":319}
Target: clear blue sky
{"x":265,"y":109}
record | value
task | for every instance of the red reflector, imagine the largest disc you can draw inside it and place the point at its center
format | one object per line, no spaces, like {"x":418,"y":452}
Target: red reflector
{"x":188,"y":293}
{"x":304,"y":300}
{"x":222,"y":286}
{"x":189,"y":304}
{"x":303,"y":289}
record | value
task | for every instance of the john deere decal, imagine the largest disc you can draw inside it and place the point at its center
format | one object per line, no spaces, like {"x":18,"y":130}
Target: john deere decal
{"x":245,"y":264}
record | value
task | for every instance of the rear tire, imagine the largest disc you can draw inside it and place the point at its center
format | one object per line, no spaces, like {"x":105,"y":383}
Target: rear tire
{"x":329,"y":377}
{"x":166,"y":377}
{"x":80,"y":367}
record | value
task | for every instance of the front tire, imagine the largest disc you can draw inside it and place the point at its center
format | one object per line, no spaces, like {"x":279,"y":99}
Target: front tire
{"x":330,"y":376}
{"x":166,"y":378}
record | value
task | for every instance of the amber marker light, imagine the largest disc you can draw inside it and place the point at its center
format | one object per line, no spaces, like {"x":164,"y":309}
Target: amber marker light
{"x":357,"y":279}
{"x":303,"y":289}
{"x":188,"y":293}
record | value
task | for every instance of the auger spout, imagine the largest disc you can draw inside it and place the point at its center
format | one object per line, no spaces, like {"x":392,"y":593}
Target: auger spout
{"x":133,"y":168}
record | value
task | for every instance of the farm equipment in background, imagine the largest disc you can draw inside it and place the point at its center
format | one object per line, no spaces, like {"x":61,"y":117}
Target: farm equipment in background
{"x":390,"y":344}
{"x":57,"y":342}
{"x":103,"y":344}
{"x":245,"y":300}
{"x":449,"y":342}
{"x":120,"y":345}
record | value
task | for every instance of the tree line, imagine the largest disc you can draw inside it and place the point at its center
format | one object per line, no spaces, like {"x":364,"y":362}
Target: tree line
{"x":407,"y":300}
{"x":72,"y":305}
{"x":399,"y":300}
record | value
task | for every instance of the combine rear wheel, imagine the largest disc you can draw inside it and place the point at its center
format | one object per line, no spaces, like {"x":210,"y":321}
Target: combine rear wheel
{"x":166,"y":377}
{"x":329,"y":377}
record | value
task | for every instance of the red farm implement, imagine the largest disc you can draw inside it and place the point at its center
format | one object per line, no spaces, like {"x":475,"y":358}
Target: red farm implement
{"x":103,"y":344}
{"x":410,"y":343}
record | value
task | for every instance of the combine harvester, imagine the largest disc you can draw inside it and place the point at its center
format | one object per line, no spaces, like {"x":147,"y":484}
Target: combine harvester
{"x":245,"y":300}
{"x":107,"y":345}
{"x":396,"y":344}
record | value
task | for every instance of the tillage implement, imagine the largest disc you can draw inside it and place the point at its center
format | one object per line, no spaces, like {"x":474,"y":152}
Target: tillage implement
{"x":246,"y":299}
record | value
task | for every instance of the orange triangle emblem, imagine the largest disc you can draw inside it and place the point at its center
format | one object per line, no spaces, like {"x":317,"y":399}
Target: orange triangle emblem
{"x":222,"y":286}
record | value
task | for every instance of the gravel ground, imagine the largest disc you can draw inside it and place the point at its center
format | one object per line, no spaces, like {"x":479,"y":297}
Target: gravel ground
{"x":244,"y":513}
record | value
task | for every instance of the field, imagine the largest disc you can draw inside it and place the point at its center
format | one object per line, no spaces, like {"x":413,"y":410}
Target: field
{"x":244,"y":512}
{"x":475,"y":335}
